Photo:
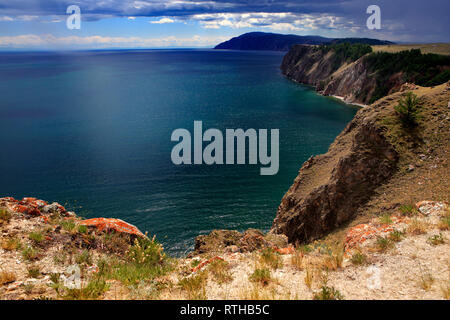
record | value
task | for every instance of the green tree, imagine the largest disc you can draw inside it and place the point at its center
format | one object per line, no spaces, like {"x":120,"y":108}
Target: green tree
{"x":409,"y":109}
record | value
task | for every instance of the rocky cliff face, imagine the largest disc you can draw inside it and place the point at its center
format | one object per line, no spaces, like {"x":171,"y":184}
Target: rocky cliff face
{"x":352,"y":81}
{"x":330,"y":187}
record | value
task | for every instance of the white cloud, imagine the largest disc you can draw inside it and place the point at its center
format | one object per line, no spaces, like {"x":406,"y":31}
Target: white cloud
{"x":49,"y":41}
{"x":277,"y":21}
{"x":163,"y":20}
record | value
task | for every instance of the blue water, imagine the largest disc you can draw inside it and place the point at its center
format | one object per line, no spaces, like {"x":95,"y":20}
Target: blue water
{"x":91,"y":130}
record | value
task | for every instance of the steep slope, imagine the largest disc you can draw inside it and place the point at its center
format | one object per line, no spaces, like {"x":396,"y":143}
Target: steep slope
{"x":360,"y":76}
{"x":373,"y":150}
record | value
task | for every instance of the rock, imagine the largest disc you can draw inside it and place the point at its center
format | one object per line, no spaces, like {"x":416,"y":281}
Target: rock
{"x":107,"y":224}
{"x":216,"y":241}
{"x":54,"y":208}
{"x":410,"y":168}
{"x":252,"y":240}
{"x":327,"y":192}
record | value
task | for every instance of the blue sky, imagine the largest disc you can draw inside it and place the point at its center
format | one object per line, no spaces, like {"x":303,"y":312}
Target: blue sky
{"x":39,"y":24}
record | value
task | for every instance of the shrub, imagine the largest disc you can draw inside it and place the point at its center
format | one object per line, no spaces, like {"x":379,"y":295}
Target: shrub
{"x":195,"y":286}
{"x":328,"y":293}
{"x":396,"y":235}
{"x":271,"y":258}
{"x":34,"y":271}
{"x":36,"y":237}
{"x":261,"y":275}
{"x":94,"y":289}
{"x":386,"y":219}
{"x":359,"y":258}
{"x":5,"y":215}
{"x":29,"y":253}
{"x":408,"y":209}
{"x":408,"y":110}
{"x":6,"y":277}
{"x":383,"y":243}
{"x":82,"y":229}
{"x":436,"y":239}
{"x":220,"y":271}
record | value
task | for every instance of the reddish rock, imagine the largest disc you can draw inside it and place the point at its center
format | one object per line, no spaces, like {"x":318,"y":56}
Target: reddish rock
{"x":106,"y":224}
{"x":204,"y":263}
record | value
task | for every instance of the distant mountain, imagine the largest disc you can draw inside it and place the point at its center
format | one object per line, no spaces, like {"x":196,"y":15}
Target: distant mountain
{"x":283,"y":42}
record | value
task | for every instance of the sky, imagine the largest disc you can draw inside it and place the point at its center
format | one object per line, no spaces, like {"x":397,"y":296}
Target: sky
{"x":42,"y":24}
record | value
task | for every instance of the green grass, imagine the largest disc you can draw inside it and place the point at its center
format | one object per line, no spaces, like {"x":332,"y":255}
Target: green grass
{"x":29,"y":253}
{"x":36,"y":237}
{"x":82,"y":229}
{"x":34,"y":271}
{"x":84,"y":258}
{"x":271,"y":258}
{"x":408,"y":210}
{"x":92,"y":291}
{"x":386,"y":219}
{"x":396,"y":235}
{"x":261,"y":276}
{"x":5,"y":215}
{"x":328,"y":293}
{"x":436,"y":239}
{"x":144,"y":261}
{"x":67,"y":225}
{"x":383,"y":243}
{"x":195,"y":285}
{"x":219,"y":269}
{"x":359,"y":258}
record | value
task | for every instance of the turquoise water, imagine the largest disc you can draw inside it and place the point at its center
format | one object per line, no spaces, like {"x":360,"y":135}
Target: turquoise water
{"x":91,"y":130}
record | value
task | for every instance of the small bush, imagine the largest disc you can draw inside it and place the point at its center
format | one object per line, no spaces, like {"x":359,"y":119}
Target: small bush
{"x":6,"y":277}
{"x":220,"y":271}
{"x":82,"y":229}
{"x":84,"y":258}
{"x":68,"y":224}
{"x":383,"y":243}
{"x":5,"y":216}
{"x":408,"y":209}
{"x":396,"y":235}
{"x":386,"y":219}
{"x":328,"y":293}
{"x":195,"y":286}
{"x":37,"y":237}
{"x":11,"y":244}
{"x":34,"y":271}
{"x":444,"y":224}
{"x":359,"y":258}
{"x":417,"y":227}
{"x":261,"y":275}
{"x":94,"y":289}
{"x":297,"y":260}
{"x":408,"y":110}
{"x":29,"y":253}
{"x":271,"y":258}
{"x":436,"y":239}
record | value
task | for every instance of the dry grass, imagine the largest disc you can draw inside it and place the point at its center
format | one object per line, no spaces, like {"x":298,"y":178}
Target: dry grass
{"x":220,"y":270}
{"x":6,"y":277}
{"x":195,"y":286}
{"x":426,"y":279}
{"x":297,"y":260}
{"x":10,"y":244}
{"x":417,"y":227}
{"x":438,"y":48}
{"x":445,"y":289}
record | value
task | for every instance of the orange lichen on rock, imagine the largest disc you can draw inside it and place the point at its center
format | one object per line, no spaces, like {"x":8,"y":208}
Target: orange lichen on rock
{"x":105,"y":224}
{"x":204,"y":263}
{"x":287,"y":250}
{"x":358,"y":235}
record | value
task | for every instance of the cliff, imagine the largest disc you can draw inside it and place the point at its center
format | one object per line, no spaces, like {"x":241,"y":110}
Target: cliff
{"x":370,"y":154}
{"x":354,"y":72}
